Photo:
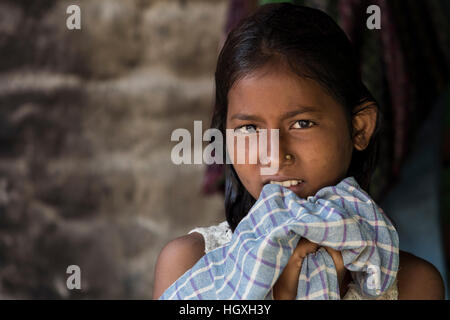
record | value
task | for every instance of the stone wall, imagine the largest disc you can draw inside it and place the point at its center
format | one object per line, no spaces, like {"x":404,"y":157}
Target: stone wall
{"x":85,"y":123}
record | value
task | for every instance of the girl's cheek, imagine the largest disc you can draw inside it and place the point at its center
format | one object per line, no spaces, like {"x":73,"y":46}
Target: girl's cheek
{"x":230,"y":150}
{"x":320,"y":156}
{"x":243,"y":150}
{"x":248,"y":176}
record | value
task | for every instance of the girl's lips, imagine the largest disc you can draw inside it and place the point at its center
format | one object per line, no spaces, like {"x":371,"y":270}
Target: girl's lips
{"x":282,"y":180}
{"x":296,"y":188}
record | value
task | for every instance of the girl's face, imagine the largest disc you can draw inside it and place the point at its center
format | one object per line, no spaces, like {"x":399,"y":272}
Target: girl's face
{"x":313,"y":128}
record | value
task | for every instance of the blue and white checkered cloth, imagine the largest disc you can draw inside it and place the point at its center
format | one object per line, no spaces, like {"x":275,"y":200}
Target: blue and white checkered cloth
{"x":342,"y":217}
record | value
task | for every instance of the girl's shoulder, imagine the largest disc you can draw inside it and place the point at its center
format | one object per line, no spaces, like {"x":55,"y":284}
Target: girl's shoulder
{"x":418,"y":279}
{"x":177,"y":256}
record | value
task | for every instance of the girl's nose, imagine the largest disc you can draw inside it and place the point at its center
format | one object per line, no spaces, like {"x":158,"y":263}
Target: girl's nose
{"x":276,"y":151}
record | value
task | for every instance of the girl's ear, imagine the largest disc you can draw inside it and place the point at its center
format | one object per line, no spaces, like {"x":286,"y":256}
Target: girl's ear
{"x":364,"y":122}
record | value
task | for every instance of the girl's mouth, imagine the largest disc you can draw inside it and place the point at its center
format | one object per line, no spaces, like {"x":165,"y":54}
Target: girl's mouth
{"x":295,"y":185}
{"x":287,"y":183}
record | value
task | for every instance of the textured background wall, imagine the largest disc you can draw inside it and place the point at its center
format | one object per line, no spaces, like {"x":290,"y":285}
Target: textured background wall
{"x":85,"y":124}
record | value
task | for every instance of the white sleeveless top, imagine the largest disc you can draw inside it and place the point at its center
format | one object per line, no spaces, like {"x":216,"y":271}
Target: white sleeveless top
{"x":218,"y":235}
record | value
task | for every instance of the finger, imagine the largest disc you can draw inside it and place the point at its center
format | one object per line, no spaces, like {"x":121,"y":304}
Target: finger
{"x":338,"y":263}
{"x":336,"y":255}
{"x":286,"y":286}
{"x":304,"y":247}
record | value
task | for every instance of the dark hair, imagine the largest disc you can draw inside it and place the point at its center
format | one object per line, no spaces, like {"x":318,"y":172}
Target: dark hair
{"x":313,"y":46}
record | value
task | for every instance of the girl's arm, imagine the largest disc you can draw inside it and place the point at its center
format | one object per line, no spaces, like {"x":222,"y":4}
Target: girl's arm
{"x":286,"y":286}
{"x":417,"y":278}
{"x":175,"y":259}
{"x":181,"y":254}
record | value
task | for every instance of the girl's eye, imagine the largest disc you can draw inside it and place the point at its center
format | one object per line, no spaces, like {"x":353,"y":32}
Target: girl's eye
{"x":303,"y":124}
{"x":245,"y":129}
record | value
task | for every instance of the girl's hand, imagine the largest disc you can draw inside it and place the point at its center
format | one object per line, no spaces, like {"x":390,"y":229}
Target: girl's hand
{"x":286,"y":286}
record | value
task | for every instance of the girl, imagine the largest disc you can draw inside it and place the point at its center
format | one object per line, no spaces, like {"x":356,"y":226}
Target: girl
{"x":292,"y":68}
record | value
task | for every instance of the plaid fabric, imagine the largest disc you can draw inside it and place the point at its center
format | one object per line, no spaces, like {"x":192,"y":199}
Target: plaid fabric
{"x":342,"y":217}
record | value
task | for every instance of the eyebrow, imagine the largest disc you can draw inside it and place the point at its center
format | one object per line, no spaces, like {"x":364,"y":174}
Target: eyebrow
{"x":289,"y":114}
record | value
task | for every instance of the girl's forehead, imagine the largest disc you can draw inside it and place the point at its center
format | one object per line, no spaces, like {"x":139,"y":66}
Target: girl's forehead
{"x":275,"y":90}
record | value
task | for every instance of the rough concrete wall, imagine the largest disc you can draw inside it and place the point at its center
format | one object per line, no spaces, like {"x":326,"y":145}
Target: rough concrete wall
{"x":85,"y":124}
